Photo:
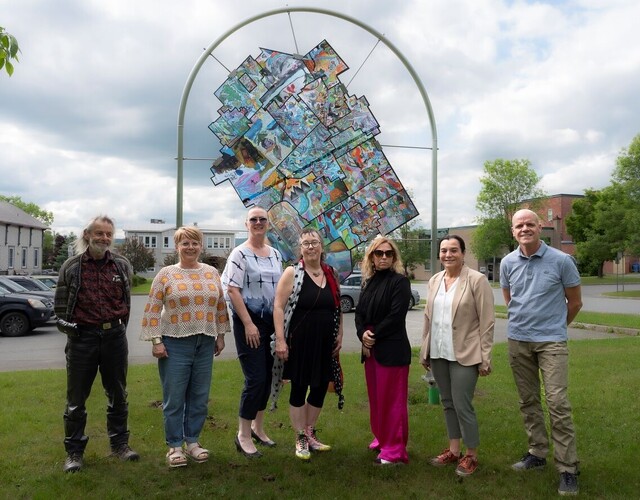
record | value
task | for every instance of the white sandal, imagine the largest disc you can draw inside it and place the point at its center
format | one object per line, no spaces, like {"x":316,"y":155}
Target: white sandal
{"x":176,"y":458}
{"x":197,"y":453}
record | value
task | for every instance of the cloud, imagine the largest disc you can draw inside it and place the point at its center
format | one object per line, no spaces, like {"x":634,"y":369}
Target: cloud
{"x":88,"y":120}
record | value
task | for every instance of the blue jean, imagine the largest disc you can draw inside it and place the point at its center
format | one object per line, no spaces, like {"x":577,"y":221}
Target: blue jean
{"x":256,"y":365}
{"x":186,"y":381}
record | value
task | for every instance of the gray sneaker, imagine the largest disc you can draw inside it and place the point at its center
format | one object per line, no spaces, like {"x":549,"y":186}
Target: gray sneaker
{"x":529,"y":462}
{"x":568,"y":484}
{"x":73,"y":462}
{"x":125,"y":453}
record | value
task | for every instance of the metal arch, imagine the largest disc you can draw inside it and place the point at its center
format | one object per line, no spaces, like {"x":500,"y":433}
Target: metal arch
{"x":377,"y":34}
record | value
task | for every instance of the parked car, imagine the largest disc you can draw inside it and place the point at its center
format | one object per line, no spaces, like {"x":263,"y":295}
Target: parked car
{"x":30,"y":283}
{"x":350,"y":293}
{"x":12,"y":283}
{"x":49,"y":280}
{"x":21,"y":313}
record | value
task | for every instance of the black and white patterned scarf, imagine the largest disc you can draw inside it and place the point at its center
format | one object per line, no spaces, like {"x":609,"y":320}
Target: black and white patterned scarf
{"x":278,"y":364}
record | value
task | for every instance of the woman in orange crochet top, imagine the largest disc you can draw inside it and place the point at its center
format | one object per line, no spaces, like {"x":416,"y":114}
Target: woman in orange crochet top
{"x":185,"y":319}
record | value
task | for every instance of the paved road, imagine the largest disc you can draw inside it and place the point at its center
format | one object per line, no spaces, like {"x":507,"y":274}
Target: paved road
{"x":44,"y":347}
{"x":592,"y":298}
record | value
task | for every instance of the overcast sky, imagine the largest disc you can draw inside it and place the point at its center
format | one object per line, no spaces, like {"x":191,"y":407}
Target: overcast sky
{"x":88,"y":120}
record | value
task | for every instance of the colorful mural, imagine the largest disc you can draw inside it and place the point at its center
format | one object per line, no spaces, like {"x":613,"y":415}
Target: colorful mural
{"x":296,"y":143}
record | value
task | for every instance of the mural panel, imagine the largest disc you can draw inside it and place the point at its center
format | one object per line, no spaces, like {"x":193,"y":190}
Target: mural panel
{"x":296,"y":143}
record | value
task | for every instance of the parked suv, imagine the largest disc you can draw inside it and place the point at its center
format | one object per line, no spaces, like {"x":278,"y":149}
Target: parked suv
{"x":50,"y":281}
{"x":24,"y":284}
{"x":21,"y":313}
{"x":30,"y":283}
{"x":350,"y":293}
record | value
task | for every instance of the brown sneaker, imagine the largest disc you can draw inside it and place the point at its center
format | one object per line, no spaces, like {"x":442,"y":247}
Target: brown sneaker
{"x":467,"y":465}
{"x":445,"y":458}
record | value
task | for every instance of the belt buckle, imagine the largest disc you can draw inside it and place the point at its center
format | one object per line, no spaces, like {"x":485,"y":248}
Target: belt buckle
{"x":107,"y":326}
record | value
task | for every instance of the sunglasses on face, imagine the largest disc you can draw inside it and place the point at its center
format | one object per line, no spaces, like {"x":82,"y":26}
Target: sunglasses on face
{"x":310,"y":244}
{"x":255,"y":220}
{"x":385,"y":253}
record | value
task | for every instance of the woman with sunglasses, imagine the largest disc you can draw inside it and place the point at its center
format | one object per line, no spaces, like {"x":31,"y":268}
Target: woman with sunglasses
{"x":250,"y":278}
{"x":308,"y":339}
{"x":386,"y":352}
{"x":457,"y":341}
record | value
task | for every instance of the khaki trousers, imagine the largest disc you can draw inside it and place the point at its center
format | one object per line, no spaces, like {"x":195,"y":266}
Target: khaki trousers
{"x":529,"y":361}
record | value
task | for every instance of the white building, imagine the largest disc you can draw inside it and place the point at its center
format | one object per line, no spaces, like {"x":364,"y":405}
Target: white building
{"x":158,"y":237}
{"x":21,"y":240}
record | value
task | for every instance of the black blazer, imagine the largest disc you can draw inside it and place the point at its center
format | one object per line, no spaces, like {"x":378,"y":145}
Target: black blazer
{"x":383,"y":305}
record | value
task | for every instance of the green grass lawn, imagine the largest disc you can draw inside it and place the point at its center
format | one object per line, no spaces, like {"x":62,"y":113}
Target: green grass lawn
{"x":142,"y":289}
{"x":596,"y":318}
{"x":605,"y":376}
{"x":611,"y":279}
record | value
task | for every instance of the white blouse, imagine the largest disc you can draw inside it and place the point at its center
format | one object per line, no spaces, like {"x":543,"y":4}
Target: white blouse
{"x":441,"y":330}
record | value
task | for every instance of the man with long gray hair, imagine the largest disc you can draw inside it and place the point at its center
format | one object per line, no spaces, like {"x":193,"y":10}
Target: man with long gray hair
{"x":92,"y":302}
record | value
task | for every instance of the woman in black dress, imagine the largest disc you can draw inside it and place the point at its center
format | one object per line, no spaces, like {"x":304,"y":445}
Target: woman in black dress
{"x":308,"y":325}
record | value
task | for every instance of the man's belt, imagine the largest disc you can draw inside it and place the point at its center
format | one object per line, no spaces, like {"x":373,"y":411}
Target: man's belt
{"x":105,"y":326}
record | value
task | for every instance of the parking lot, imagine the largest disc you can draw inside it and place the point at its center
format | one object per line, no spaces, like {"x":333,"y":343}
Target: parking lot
{"x":44,"y":347}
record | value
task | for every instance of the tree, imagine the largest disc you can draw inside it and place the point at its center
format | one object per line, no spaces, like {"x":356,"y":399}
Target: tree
{"x":140,"y":257}
{"x":413,"y":244}
{"x":8,"y":50}
{"x":627,"y":171}
{"x":505,"y":185}
{"x":596,"y":225}
{"x":47,"y":248}
{"x":627,"y":175}
{"x":30,"y":208}
{"x":490,"y":237}
{"x":170,"y":259}
{"x":606,"y":223}
{"x":61,"y":249}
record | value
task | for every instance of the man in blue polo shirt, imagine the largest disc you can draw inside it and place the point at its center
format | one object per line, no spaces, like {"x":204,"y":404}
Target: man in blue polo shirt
{"x":541,"y":287}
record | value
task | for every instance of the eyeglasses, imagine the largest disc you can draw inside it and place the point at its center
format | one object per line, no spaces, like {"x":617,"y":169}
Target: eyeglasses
{"x":255,"y":220}
{"x":310,"y":244}
{"x":385,"y":253}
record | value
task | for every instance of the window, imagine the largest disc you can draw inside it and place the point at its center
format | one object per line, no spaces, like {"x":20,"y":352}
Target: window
{"x":165,"y":242}
{"x":150,"y":242}
{"x":36,"y":255}
{"x":23,"y":260}
{"x":11,"y":256}
{"x":549,"y":214}
{"x":218,"y":242}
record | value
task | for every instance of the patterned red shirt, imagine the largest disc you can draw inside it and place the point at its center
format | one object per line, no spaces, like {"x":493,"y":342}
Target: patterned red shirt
{"x":101,"y":297}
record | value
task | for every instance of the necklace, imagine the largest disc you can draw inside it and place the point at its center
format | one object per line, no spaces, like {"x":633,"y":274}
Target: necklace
{"x":315,"y":273}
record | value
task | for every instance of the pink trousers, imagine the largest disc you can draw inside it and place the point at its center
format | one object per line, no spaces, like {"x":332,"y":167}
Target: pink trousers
{"x":387,"y":387}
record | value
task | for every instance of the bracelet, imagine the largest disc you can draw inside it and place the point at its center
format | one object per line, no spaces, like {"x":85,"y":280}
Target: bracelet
{"x":221,"y":335}
{"x":156,"y":340}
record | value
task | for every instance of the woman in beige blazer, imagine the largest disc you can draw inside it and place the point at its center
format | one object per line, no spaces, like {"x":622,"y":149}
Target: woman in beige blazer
{"x":456,"y":346}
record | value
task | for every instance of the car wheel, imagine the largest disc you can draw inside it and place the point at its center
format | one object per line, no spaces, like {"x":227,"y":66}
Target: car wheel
{"x":346,"y":304}
{"x":412,"y":302}
{"x":14,"y":324}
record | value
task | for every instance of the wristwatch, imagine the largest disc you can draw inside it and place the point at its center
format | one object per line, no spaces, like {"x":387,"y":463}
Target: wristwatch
{"x":156,"y":340}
